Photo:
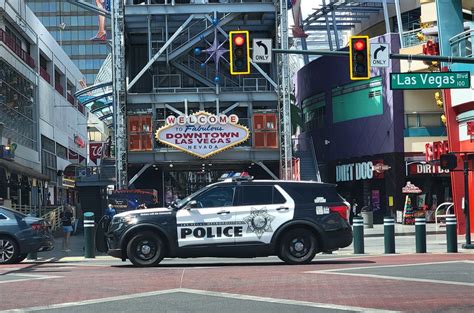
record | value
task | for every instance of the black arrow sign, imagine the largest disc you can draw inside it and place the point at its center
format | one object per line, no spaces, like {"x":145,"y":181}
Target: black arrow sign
{"x":261,"y":44}
{"x":381,"y":48}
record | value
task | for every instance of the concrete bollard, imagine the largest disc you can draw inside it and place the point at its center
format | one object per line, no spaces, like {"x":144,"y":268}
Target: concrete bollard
{"x":89,"y":235}
{"x":420,"y":234}
{"x":451,"y":234}
{"x":358,"y":231}
{"x":389,"y":234}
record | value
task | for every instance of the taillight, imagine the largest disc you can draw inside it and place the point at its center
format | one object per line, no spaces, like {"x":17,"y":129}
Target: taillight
{"x":342,"y":210}
{"x":37,"y":226}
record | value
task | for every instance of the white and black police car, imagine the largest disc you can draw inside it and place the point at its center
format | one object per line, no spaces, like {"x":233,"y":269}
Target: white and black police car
{"x":293,"y":220}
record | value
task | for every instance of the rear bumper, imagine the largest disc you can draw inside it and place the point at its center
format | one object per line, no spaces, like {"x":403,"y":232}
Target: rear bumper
{"x":337,"y":239}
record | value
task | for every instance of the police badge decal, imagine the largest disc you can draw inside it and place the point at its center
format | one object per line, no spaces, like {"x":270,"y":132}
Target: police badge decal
{"x":259,"y":221}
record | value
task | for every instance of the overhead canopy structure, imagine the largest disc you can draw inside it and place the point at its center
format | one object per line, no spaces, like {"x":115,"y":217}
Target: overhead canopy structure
{"x":327,"y":22}
{"x":98,"y":97}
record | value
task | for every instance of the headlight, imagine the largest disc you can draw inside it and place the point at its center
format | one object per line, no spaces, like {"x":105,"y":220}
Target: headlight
{"x":127,"y":219}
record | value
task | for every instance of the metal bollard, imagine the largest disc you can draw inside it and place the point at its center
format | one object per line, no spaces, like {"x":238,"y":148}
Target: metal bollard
{"x":420,"y":234}
{"x":451,"y":234}
{"x":358,"y":230}
{"x":89,"y":235}
{"x":389,"y":234}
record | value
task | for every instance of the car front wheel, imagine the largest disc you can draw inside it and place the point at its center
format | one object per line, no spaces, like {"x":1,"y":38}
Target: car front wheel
{"x":298,"y":246}
{"x":145,"y":249}
{"x":9,"y":251}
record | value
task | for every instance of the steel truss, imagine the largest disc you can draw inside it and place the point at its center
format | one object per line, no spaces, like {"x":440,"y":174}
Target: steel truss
{"x":119,"y":93}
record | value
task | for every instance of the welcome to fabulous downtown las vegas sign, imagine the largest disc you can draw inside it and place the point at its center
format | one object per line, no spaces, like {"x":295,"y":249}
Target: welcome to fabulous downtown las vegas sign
{"x":202,"y":134}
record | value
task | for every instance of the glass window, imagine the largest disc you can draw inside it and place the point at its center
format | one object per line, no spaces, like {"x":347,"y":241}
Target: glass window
{"x":216,"y":197}
{"x":2,"y":217}
{"x":278,"y":197}
{"x":256,"y":195}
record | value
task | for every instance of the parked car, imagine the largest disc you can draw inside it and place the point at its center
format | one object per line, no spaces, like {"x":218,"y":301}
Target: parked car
{"x":293,"y":220}
{"x":21,"y":234}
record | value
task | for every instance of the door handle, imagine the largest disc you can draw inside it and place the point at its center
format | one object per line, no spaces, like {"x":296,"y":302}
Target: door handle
{"x":223,"y":212}
{"x":282,"y":209}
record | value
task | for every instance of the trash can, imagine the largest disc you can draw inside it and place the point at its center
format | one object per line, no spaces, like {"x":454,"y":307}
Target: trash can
{"x":368,"y":218}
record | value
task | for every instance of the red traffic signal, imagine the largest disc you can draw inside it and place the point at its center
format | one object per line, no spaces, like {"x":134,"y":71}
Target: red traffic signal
{"x":359,"y":45}
{"x":239,"y":40}
{"x":359,"y":56}
{"x":239,"y":47}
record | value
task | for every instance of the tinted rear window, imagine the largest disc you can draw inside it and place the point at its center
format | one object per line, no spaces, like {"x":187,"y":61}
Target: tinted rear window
{"x":303,"y":193}
{"x":260,"y":195}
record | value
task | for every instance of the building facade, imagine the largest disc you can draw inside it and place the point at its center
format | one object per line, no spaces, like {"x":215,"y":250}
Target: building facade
{"x":77,"y":32}
{"x":43,"y":128}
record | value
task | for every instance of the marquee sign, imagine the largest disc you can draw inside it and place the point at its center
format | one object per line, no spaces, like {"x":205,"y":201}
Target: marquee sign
{"x":202,"y":134}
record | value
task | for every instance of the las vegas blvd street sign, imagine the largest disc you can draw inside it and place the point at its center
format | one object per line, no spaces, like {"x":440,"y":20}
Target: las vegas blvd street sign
{"x":443,"y":80}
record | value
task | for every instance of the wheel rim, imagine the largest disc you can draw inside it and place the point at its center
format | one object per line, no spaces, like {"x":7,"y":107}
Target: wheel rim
{"x":300,"y":246}
{"x":146,"y":249}
{"x":6,"y":250}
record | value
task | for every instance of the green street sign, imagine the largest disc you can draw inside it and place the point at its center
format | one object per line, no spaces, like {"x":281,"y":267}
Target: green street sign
{"x":444,"y":80}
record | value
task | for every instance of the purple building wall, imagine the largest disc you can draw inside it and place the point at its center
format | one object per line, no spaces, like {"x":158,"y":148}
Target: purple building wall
{"x":372,"y":135}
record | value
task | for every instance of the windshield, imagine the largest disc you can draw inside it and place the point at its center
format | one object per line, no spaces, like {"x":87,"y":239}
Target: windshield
{"x":181,"y":203}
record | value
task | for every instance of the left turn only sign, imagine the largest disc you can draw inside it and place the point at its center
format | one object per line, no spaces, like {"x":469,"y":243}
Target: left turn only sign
{"x":262,"y":50}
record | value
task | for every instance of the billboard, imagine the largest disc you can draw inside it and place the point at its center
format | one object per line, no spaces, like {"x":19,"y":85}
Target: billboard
{"x":101,"y":34}
{"x":202,"y":134}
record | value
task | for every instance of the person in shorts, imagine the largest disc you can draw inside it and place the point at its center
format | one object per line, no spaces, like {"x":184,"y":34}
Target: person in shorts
{"x":66,"y":221}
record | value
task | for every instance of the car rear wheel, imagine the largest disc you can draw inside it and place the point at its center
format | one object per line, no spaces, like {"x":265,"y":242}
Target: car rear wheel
{"x":9,"y":250}
{"x":298,"y":246}
{"x":145,"y":249}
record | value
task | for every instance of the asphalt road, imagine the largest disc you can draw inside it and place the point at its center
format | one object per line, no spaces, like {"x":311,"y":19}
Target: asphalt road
{"x":437,"y":282}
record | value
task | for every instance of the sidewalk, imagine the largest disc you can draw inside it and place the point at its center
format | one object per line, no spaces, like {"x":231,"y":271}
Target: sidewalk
{"x":374,"y":244}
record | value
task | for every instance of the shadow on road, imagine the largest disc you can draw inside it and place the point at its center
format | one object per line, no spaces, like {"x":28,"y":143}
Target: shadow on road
{"x":222,"y":264}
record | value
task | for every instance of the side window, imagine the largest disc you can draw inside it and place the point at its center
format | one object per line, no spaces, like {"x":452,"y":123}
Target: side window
{"x":278,"y":197}
{"x":256,"y":195}
{"x":2,"y":217}
{"x":216,"y":197}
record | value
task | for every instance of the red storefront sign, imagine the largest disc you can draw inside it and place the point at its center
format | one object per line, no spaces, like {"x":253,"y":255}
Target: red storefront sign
{"x":79,"y":141}
{"x":425,"y":169}
{"x":97,"y":151}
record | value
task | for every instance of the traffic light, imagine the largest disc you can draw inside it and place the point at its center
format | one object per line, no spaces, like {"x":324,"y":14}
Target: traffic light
{"x":239,"y":52}
{"x":448,"y":161}
{"x":359,"y":57}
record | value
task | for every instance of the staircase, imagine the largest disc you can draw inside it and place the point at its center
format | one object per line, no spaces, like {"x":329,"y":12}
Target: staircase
{"x":304,"y":150}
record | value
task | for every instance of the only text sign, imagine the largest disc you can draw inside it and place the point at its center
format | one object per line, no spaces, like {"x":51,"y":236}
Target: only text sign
{"x":442,"y":80}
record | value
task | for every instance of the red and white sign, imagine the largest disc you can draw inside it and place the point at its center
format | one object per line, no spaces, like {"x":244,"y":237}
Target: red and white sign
{"x":97,"y":151}
{"x":202,"y":134}
{"x":410,"y":188}
{"x":79,"y":141}
{"x":425,"y":169}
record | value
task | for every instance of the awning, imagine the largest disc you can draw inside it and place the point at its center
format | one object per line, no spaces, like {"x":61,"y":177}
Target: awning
{"x":21,"y":169}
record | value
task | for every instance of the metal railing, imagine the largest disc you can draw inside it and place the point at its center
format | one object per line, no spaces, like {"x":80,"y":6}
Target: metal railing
{"x":461,"y":44}
{"x":410,"y":38}
{"x":16,"y":48}
{"x":448,"y":206}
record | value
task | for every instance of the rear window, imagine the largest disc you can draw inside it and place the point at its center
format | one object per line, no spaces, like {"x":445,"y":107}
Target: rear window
{"x":11,"y":213}
{"x":307,"y":193}
{"x":260,"y":195}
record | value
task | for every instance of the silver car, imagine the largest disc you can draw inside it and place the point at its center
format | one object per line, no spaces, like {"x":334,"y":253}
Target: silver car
{"x":21,"y":234}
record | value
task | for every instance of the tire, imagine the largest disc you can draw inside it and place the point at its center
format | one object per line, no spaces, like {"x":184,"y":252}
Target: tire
{"x":145,"y":249}
{"x":21,"y":257}
{"x":298,"y":246}
{"x":9,"y":250}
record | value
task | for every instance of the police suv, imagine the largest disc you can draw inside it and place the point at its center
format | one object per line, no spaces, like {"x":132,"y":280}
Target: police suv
{"x":293,"y":220}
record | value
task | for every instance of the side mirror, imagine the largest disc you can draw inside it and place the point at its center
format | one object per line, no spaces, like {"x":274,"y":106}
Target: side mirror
{"x":191,"y":204}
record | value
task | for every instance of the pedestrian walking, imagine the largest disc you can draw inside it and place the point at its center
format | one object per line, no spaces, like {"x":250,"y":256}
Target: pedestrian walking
{"x":66,"y":221}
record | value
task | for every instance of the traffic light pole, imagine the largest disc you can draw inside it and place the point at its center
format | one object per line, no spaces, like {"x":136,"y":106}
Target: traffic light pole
{"x":468,"y":244}
{"x":414,"y":57}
